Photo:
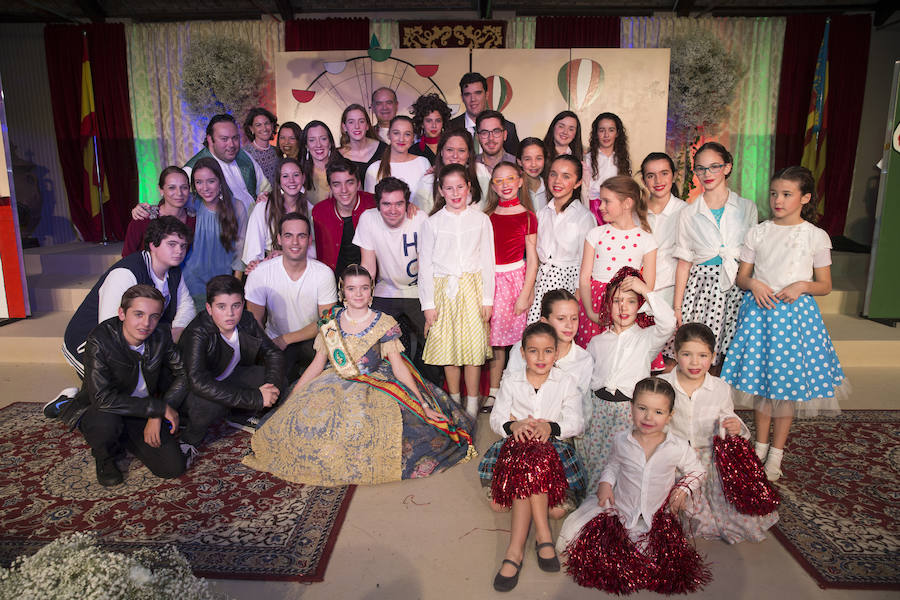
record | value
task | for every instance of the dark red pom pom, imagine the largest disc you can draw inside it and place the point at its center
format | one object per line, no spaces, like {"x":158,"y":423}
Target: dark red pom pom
{"x":678,"y":567}
{"x":527,"y":468}
{"x":603,"y":557}
{"x":744,"y":481}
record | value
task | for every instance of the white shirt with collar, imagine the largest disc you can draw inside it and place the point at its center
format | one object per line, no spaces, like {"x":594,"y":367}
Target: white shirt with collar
{"x":623,"y":359}
{"x":560,"y":237}
{"x":577,"y":363}
{"x":606,"y":168}
{"x":453,"y":244}
{"x":699,"y":239}
{"x":558,"y":400}
{"x":665,"y":227}
{"x":697,"y":418}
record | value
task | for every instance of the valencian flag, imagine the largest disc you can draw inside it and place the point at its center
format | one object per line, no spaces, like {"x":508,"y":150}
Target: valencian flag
{"x":89,"y":132}
{"x":814,"y":142}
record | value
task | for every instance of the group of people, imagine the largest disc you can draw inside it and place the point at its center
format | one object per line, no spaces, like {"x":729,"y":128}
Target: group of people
{"x":283,"y":286}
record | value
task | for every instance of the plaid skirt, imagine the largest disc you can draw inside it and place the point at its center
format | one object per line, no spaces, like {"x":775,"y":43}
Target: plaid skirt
{"x":572,"y":465}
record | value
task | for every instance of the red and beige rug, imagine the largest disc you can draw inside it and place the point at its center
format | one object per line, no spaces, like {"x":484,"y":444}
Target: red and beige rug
{"x":230,"y":521}
{"x":840,"y":499}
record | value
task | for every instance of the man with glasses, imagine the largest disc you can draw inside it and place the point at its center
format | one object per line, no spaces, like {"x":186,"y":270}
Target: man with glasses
{"x":490,"y":128}
{"x":384,"y":105}
{"x":473,"y":89}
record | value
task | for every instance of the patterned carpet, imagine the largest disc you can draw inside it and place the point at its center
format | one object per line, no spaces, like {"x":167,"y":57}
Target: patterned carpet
{"x":230,"y":521}
{"x":840,"y":499}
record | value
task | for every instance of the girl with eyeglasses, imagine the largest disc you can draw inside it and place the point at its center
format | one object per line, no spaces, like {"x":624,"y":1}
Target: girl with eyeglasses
{"x":707,"y":246}
{"x":515,"y":253}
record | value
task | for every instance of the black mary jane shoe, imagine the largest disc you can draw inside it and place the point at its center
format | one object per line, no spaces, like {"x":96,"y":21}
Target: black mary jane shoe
{"x":550,"y":565}
{"x":487,"y":408}
{"x":503,"y":583}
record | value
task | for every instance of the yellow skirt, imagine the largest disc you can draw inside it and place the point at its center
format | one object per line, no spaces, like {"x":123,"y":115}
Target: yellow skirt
{"x":459,"y":336}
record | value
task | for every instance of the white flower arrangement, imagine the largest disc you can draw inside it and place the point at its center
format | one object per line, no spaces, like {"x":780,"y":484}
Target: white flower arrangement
{"x":703,"y":77}
{"x":221,"y":75}
{"x":75,"y":567}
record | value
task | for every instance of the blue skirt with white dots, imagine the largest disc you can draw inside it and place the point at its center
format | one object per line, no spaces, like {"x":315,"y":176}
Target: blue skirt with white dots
{"x":785,"y":354}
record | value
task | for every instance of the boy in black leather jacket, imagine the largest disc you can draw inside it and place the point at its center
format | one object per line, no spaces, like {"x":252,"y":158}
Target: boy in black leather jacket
{"x":233,"y":369}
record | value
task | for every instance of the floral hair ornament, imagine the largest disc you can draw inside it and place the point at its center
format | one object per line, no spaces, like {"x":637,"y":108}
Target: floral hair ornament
{"x":643,"y":319}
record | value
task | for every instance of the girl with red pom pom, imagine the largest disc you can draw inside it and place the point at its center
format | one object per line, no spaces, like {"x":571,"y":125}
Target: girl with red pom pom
{"x":538,"y":408}
{"x":622,"y":356}
{"x":703,"y":407}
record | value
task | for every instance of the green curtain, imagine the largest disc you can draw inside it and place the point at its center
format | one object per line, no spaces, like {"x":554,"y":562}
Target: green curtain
{"x":749,"y":131}
{"x":164,"y":133}
{"x":387,"y":31}
{"x":520,"y":32}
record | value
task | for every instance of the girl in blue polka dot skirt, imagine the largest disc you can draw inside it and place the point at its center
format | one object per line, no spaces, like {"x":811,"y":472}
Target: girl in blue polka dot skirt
{"x":781,"y":355}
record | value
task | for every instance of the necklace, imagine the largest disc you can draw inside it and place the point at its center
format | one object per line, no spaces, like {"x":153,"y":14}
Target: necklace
{"x":509,"y":203}
{"x":265,"y":145}
{"x":355,"y":321}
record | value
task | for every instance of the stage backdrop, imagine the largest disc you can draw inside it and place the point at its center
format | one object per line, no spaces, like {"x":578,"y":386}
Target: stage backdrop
{"x":528,"y":86}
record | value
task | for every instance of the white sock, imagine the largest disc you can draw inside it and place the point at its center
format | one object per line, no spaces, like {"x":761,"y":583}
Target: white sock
{"x":761,"y":451}
{"x":455,"y":397}
{"x":773,"y":461}
{"x":472,"y":405}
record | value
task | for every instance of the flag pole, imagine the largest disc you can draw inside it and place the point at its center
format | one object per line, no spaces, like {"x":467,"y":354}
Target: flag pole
{"x":104,"y":240}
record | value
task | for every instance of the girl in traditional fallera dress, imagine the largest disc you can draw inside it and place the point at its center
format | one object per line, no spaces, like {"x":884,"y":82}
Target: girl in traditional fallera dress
{"x":532,"y":158}
{"x":622,"y":354}
{"x":609,"y":247}
{"x":782,"y":357}
{"x":703,"y":409}
{"x":397,"y":161}
{"x":607,"y":157}
{"x":562,"y":226}
{"x":389,"y":424}
{"x":533,"y":468}
{"x":515,"y":237}
{"x":710,"y":232}
{"x":456,"y":285}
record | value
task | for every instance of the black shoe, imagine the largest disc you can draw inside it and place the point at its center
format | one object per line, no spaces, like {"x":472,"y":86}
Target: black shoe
{"x":503,"y":583}
{"x":488,"y":405}
{"x":246,"y":421}
{"x":108,"y":474}
{"x":550,"y":565}
{"x":53,"y":408}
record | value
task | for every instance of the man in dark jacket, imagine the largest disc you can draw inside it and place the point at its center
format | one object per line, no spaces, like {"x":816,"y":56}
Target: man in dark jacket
{"x":122,"y":401}
{"x":232,"y":365}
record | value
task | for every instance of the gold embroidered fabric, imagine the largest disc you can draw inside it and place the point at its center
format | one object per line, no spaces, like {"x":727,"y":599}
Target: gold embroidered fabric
{"x":336,"y":431}
{"x":465,"y":34}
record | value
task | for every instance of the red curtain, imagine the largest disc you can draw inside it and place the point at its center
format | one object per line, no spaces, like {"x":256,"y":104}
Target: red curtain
{"x":106,"y":48}
{"x":576,"y":32}
{"x":848,"y":57}
{"x":802,"y":37}
{"x":326,"y":34}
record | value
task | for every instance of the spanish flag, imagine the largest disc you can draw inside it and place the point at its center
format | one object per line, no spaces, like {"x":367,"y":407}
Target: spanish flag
{"x":814,"y":142}
{"x":90,"y":132}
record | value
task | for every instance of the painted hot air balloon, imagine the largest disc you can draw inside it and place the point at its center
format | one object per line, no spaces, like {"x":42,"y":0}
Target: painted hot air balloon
{"x":499,"y":92}
{"x":579,"y":82}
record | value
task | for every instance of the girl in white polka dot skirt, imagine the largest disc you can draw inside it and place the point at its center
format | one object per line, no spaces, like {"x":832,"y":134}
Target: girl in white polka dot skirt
{"x":456,"y":284}
{"x":782,"y":356}
{"x":515,"y":238}
{"x":622,"y":241}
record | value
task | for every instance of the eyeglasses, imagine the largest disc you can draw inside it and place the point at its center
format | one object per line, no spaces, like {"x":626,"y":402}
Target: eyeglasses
{"x":490,"y":132}
{"x":713,"y":169}
{"x":503,"y":180}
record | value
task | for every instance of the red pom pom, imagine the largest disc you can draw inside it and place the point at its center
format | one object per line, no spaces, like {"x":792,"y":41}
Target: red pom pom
{"x":678,"y":567}
{"x":603,"y":557}
{"x":744,"y":481}
{"x":527,"y":468}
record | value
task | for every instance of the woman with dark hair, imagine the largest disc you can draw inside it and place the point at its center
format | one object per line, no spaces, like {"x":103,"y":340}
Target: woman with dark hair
{"x":219,"y":233}
{"x":397,"y":161}
{"x":564,"y":136}
{"x":454,"y":147}
{"x":259,"y":127}
{"x":288,"y":141}
{"x":430,"y":115}
{"x":359,"y":143}
{"x":175,"y":202}
{"x":316,"y":145}
{"x":607,"y":157}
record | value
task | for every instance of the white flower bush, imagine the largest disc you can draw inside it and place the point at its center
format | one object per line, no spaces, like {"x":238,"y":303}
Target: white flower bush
{"x":221,"y":75}
{"x":75,"y":567}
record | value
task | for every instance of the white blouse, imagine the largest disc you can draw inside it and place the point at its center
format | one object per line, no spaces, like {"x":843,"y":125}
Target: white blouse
{"x":606,"y":168}
{"x":699,"y":238}
{"x":577,"y":363}
{"x":557,"y":400}
{"x":621,"y":360}
{"x":410,"y":172}
{"x":665,"y":227}
{"x":560,"y":237}
{"x":784,"y":254}
{"x":697,"y":418}
{"x":453,"y":244}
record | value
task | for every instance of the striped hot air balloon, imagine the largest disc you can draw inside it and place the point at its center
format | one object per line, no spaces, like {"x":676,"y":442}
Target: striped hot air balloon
{"x":579,"y":82}
{"x":499,"y":93}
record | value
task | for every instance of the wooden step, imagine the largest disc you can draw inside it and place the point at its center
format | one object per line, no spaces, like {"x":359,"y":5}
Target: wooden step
{"x":863,"y":343}
{"x":37,"y":339}
{"x":75,"y":258}
{"x":50,"y":292}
